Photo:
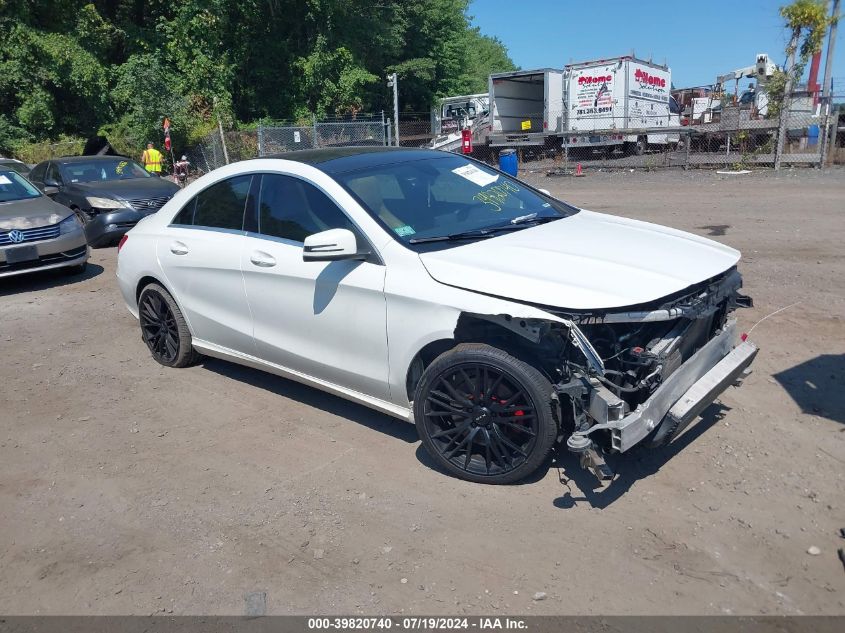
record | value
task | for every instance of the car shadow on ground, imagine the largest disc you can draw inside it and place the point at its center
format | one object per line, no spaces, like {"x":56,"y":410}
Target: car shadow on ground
{"x":817,"y":386}
{"x":44,"y":280}
{"x":640,"y":463}
{"x":312,"y":397}
{"x":633,"y":466}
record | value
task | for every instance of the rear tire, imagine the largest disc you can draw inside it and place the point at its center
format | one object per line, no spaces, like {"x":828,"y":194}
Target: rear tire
{"x":484,"y":415}
{"x":640,"y":146}
{"x":163,"y":328}
{"x":637,"y":148}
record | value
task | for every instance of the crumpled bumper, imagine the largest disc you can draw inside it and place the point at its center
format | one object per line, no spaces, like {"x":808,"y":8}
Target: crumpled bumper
{"x":684,"y":394}
{"x":108,"y":226}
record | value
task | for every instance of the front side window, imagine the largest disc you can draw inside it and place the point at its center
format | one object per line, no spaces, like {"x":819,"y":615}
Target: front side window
{"x":103,"y":169}
{"x":37,"y":173}
{"x":446,"y":197}
{"x":220,"y":206}
{"x":293,"y":209}
{"x":674,"y":108}
{"x":13,"y":186}
{"x":53,"y":174}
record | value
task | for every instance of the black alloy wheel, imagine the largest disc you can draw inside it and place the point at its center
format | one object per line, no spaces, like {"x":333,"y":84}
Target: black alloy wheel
{"x":163,"y":328}
{"x":485,"y":415}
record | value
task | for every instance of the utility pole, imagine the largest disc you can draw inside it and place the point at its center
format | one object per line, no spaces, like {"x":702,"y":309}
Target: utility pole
{"x":827,"y":96}
{"x":393,"y":82}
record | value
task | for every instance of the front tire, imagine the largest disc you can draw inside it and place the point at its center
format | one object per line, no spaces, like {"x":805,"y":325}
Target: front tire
{"x":78,"y":269}
{"x":164,"y":329}
{"x":102,"y":242}
{"x":484,"y":415}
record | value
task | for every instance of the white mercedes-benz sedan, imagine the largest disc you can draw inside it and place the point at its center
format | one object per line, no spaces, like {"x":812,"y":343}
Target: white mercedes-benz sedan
{"x":438,"y":290}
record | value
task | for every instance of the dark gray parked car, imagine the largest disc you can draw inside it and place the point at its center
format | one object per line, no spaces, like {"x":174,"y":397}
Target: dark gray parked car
{"x":110,"y":194}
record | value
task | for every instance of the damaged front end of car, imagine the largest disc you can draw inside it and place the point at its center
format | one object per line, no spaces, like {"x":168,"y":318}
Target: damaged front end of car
{"x":639,"y":373}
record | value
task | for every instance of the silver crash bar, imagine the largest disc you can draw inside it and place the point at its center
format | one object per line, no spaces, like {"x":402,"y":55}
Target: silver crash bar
{"x":684,"y":394}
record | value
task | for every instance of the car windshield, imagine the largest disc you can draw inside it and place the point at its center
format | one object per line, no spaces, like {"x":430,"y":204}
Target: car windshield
{"x":100,"y":169}
{"x":13,"y":186}
{"x":448,"y":197}
{"x":21,"y":168}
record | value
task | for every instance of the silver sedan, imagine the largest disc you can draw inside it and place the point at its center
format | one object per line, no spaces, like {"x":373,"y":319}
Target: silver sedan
{"x":35,"y":232}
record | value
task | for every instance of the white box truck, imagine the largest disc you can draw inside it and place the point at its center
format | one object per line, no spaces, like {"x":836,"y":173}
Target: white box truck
{"x":602,"y":103}
{"x":619,"y":100}
{"x":526,"y":105}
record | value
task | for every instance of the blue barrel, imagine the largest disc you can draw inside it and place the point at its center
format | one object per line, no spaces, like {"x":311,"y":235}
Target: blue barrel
{"x":508,"y":162}
{"x":812,"y":134}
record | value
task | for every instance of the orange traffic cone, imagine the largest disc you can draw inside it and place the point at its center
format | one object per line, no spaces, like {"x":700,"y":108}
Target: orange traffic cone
{"x":579,"y":171}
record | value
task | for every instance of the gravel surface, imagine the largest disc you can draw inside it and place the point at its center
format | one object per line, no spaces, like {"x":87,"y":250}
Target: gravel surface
{"x":126,"y":487}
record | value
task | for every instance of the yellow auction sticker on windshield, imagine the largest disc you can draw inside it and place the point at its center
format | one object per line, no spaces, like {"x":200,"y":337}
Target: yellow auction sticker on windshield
{"x":121,"y":166}
{"x":496,"y":196}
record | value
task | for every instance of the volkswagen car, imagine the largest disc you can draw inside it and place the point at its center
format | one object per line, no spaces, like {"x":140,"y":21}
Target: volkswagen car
{"x":109,"y":194}
{"x":35,"y":232}
{"x":436,"y":289}
{"x":15,"y":165}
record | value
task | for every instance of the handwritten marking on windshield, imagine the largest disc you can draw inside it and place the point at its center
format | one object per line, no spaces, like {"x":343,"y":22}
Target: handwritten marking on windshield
{"x":495,"y":196}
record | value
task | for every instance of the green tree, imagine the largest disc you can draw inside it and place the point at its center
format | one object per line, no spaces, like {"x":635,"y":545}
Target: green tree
{"x":806,"y":21}
{"x":79,"y":67}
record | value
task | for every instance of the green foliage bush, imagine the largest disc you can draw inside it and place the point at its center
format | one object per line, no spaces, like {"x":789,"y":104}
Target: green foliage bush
{"x":117,"y":67}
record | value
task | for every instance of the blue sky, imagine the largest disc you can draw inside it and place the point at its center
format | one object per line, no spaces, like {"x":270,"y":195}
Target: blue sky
{"x":698,"y":39}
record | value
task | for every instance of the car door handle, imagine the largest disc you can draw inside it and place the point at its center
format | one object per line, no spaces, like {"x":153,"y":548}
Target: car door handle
{"x":260,"y":258}
{"x":178,"y":248}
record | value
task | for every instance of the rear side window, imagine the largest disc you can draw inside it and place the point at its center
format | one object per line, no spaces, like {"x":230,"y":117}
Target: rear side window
{"x":186,"y":215}
{"x":221,"y":206}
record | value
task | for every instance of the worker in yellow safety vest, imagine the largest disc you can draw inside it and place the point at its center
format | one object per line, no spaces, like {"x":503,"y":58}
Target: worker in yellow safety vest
{"x":152,"y":159}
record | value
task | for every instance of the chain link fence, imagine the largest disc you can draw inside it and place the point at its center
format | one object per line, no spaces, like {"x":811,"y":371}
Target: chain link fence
{"x":220,"y":148}
{"x":731,"y":140}
{"x":338,"y":132}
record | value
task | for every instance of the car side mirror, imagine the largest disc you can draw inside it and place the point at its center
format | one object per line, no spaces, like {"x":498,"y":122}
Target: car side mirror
{"x":331,"y":246}
{"x":50,"y":182}
{"x":50,"y":190}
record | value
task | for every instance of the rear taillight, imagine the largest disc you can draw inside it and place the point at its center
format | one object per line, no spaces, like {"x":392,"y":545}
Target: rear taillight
{"x":122,"y":242}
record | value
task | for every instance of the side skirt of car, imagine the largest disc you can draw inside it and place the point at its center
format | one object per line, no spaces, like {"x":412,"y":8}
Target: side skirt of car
{"x":216,"y":351}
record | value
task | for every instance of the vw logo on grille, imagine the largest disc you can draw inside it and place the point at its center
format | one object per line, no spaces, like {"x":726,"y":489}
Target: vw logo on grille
{"x":151,"y":203}
{"x":16,"y":236}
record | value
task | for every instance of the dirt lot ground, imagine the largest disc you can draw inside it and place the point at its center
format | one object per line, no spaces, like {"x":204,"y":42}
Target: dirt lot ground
{"x":129,"y":488}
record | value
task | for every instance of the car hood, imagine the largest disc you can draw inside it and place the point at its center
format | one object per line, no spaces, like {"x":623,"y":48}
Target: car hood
{"x":588,"y":261}
{"x":131,"y":189}
{"x":31,"y":213}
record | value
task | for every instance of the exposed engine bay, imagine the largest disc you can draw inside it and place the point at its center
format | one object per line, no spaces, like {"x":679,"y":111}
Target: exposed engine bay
{"x":641,"y":351}
{"x":619,"y":375}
